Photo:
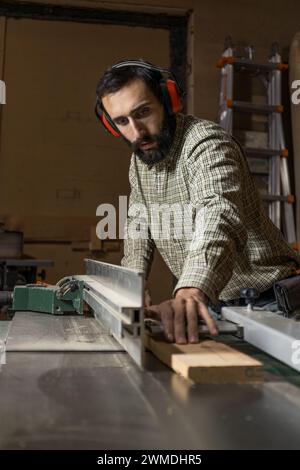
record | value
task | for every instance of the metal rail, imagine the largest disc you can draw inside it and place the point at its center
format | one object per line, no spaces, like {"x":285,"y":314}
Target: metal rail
{"x":272,"y":333}
{"x":115,"y":294}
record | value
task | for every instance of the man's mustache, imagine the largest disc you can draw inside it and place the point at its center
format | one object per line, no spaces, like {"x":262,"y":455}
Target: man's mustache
{"x":144,"y":140}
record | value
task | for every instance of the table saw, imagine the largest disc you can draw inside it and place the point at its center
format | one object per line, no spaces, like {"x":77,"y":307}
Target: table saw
{"x":70,"y":380}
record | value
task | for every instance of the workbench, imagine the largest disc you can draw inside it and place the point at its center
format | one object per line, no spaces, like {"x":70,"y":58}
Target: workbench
{"x":83,"y":381}
{"x":98,"y":400}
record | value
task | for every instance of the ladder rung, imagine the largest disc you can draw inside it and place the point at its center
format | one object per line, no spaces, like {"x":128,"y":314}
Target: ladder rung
{"x":265,"y":152}
{"x":249,"y":64}
{"x":273,"y":198}
{"x":259,"y":171}
{"x":254,"y":107}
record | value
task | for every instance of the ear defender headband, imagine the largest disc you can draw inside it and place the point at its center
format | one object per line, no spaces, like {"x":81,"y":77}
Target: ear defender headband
{"x":170,"y":88}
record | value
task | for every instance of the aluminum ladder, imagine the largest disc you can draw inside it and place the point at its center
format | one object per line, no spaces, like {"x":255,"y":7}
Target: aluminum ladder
{"x":279,"y":198}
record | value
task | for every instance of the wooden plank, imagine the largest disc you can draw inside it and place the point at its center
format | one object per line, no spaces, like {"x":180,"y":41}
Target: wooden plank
{"x":206,"y":362}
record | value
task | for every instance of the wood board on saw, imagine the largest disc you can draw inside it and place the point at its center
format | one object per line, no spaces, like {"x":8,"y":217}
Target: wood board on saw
{"x":208,"y":361}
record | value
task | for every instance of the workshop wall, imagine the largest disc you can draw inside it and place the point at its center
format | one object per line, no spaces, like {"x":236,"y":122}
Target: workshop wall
{"x":57,"y":163}
{"x":248,"y":21}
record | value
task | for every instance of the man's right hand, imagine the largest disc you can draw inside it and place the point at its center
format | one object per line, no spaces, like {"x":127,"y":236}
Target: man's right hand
{"x":179,"y":319}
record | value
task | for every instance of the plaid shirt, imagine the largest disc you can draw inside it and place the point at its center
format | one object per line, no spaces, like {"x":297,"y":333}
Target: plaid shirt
{"x":235,"y":244}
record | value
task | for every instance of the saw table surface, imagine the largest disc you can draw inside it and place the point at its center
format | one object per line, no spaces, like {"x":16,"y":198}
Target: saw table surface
{"x":102,"y":400}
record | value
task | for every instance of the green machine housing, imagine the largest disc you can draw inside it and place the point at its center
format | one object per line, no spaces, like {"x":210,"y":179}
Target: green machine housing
{"x":66,"y":296}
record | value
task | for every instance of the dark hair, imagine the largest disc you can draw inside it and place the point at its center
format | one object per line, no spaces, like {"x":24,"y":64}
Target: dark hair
{"x":116,"y":78}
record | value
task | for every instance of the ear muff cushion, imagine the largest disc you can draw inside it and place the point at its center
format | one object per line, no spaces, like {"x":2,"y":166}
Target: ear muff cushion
{"x":109,"y":127}
{"x":174,"y":96}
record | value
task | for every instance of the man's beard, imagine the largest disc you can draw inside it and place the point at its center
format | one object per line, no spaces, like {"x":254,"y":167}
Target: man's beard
{"x":164,"y":141}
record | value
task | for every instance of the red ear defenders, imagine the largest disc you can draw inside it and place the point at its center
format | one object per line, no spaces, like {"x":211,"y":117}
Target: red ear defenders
{"x":171,"y":91}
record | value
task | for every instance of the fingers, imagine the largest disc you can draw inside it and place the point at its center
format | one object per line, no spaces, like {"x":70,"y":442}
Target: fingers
{"x":186,"y":315}
{"x":163,"y":313}
{"x":205,"y":315}
{"x":153,"y":312}
{"x":192,"y":321}
{"x":179,"y":321}
{"x":167,"y":319}
{"x":147,"y":299}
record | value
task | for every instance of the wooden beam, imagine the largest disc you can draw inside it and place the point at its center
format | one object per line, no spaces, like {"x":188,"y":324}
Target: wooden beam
{"x":206,"y":362}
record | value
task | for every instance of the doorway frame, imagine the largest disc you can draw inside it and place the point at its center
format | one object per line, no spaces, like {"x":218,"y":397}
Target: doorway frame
{"x":176,"y":24}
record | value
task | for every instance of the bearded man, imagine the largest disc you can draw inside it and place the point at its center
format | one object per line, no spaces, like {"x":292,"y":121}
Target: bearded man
{"x":184,"y":161}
